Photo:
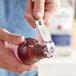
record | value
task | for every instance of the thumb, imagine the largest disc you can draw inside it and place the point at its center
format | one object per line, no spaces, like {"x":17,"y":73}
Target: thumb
{"x":9,"y":37}
{"x":39,"y":8}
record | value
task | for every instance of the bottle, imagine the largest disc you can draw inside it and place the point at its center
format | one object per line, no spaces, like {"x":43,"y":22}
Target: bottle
{"x":61,"y":28}
{"x":31,"y":51}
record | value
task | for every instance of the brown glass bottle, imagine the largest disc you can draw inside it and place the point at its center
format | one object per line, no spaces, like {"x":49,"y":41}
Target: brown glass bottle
{"x":32,"y":51}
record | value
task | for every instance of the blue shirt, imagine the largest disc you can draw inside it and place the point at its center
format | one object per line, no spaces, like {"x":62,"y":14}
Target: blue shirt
{"x":12,"y":18}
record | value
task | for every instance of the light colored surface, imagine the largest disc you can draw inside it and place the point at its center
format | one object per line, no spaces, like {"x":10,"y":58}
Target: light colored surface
{"x":74,"y":35}
{"x":59,"y":66}
{"x":58,"y":70}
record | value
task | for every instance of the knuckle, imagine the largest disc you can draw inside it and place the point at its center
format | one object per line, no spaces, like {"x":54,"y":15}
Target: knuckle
{"x":17,"y":69}
{"x":20,"y":72}
{"x":20,"y":69}
{"x":2,"y":29}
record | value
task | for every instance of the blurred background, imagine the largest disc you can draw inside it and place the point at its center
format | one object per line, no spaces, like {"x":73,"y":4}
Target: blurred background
{"x":63,"y":32}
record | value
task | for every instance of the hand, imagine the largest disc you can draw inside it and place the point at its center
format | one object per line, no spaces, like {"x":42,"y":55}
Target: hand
{"x":7,"y":59}
{"x":46,"y":9}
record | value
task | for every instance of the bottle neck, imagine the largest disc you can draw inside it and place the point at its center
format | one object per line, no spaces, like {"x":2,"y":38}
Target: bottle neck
{"x":37,"y":51}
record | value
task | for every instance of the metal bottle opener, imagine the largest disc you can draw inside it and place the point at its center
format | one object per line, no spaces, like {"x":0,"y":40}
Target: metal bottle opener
{"x":45,"y":36}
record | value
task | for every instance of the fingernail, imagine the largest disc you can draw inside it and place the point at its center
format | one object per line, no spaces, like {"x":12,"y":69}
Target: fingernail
{"x":22,"y":38}
{"x":39,"y":15}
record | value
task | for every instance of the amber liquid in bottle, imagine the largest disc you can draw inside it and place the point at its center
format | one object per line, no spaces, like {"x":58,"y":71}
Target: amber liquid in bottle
{"x":32,"y":51}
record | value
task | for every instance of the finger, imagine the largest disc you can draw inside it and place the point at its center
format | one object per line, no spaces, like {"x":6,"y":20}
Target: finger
{"x":32,"y":67}
{"x":29,"y":8}
{"x":29,"y":13}
{"x":39,"y":8}
{"x":30,"y":20}
{"x":51,"y":9}
{"x":13,"y":70}
{"x":9,"y":37}
{"x":26,"y":68}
